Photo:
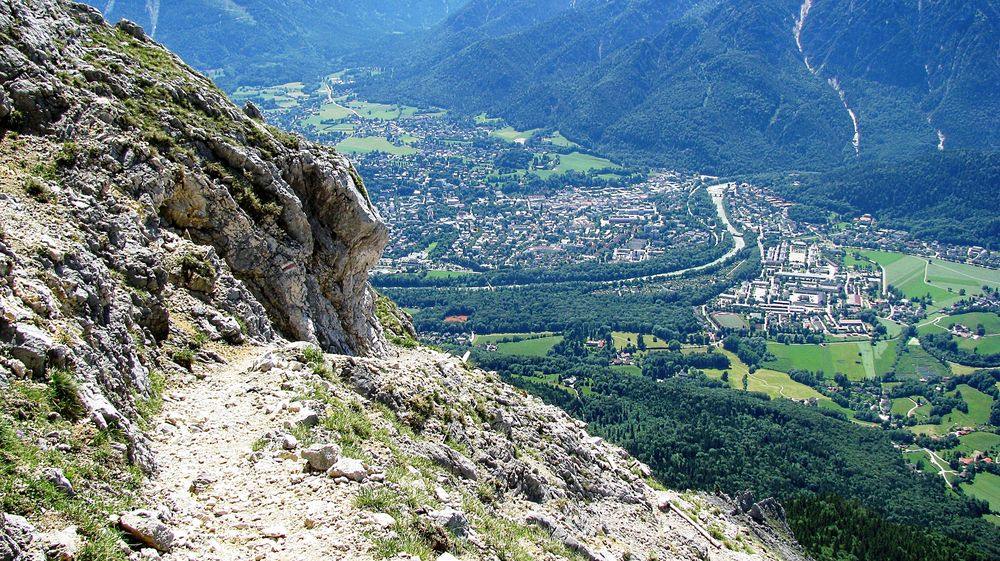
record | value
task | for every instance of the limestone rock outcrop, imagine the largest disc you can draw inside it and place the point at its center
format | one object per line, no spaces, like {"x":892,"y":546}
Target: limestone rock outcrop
{"x":143,"y":213}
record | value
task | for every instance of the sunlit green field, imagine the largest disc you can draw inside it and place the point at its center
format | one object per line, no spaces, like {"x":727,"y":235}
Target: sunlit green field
{"x":981,"y":441}
{"x":942,"y":280}
{"x":623,"y":339}
{"x":367,"y":144}
{"x":979,"y":408}
{"x":857,"y":360}
{"x":557,"y":139}
{"x":510,"y":134}
{"x":731,"y":321}
{"x":285,"y":96}
{"x":530,"y":347}
{"x":576,"y":161}
{"x":492,"y":338}
{"x":985,"y":487}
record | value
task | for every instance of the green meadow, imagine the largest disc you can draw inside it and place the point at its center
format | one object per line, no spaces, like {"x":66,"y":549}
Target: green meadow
{"x":510,"y":134}
{"x":986,"y":487}
{"x":942,"y":280}
{"x":575,"y":161}
{"x":530,"y":347}
{"x":856,"y":359}
{"x":367,"y":144}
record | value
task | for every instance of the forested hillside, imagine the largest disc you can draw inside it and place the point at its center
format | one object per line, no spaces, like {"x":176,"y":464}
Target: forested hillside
{"x":259,"y":42}
{"x":694,"y":435}
{"x":720,"y":86}
{"x":948,"y":197}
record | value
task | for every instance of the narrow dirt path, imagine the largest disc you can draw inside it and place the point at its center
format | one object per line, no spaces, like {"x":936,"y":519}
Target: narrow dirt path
{"x":230,"y":504}
{"x":912,"y":409}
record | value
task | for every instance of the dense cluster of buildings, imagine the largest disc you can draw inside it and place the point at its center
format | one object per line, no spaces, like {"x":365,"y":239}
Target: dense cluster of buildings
{"x":802,"y":286}
{"x":576,"y":224}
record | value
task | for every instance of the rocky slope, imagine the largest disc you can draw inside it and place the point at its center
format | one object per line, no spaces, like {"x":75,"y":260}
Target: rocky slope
{"x":159,"y":247}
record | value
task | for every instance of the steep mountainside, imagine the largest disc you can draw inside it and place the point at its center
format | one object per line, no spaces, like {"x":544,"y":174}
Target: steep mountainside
{"x":261,"y":42}
{"x":723,"y":85}
{"x":158,"y":247}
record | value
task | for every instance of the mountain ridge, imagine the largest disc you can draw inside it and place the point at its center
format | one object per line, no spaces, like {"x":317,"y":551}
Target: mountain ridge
{"x":724,"y":87}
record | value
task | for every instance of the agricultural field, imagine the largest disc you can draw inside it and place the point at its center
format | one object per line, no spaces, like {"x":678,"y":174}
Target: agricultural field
{"x":628,"y":369}
{"x":860,"y":264}
{"x":730,"y":321}
{"x":986,"y":345}
{"x":979,"y":408}
{"x":576,"y":161}
{"x":367,"y":144}
{"x":483,"y":119}
{"x":530,"y":347}
{"x":328,"y":117}
{"x":496,"y":338}
{"x":903,"y":405}
{"x":985,"y":487}
{"x":285,"y":96}
{"x":892,"y":329}
{"x":771,"y":382}
{"x":448,"y":274}
{"x":333,"y":115}
{"x":979,"y":414}
{"x":856,"y":359}
{"x":557,"y":139}
{"x":916,"y":363}
{"x":510,"y":134}
{"x":623,"y":339}
{"x":943,"y":280}
{"x":778,"y":384}
{"x":523,"y":344}
{"x":986,"y":442}
{"x":917,"y":456}
{"x":382,"y":111}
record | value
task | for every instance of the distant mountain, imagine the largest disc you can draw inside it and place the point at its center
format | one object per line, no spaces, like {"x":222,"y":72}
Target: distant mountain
{"x":721,"y":85}
{"x":264,"y":42}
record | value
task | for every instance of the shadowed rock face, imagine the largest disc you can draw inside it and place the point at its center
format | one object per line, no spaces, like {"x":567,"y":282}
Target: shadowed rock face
{"x":141,"y":208}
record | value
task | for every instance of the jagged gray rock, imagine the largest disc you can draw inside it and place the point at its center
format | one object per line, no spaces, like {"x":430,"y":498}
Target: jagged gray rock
{"x":321,"y":457}
{"x":57,"y":478}
{"x":164,"y":212}
{"x":349,"y":468}
{"x":145,"y":526}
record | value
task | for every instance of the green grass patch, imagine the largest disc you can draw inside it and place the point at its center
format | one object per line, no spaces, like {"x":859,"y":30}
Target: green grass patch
{"x":530,"y":347}
{"x":985,"y":487}
{"x":448,"y":274}
{"x":943,"y":280}
{"x":368,"y":144}
{"x":917,"y":363}
{"x":628,"y":369}
{"x":510,"y":134}
{"x":623,"y":339}
{"x":575,"y":161}
{"x":986,"y":442}
{"x":979,"y":408}
{"x":496,"y":338}
{"x":557,"y":139}
{"x":730,"y":321}
{"x":90,"y":462}
{"x":858,"y":360}
{"x":778,"y":384}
